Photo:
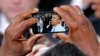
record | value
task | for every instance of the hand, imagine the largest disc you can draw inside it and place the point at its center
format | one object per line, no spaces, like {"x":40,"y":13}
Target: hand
{"x":38,"y":50}
{"x":81,"y":32}
{"x":14,"y":43}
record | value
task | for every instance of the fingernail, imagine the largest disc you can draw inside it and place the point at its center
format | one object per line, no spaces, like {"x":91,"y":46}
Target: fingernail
{"x":36,"y":9}
{"x":55,"y":8}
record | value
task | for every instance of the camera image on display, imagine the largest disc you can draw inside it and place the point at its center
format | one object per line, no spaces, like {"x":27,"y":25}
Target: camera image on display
{"x":49,"y":22}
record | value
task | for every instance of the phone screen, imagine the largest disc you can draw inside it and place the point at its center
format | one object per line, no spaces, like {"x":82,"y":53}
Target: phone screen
{"x":49,"y":22}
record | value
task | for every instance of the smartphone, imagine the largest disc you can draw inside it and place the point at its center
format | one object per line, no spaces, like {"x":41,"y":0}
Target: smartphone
{"x":49,"y":22}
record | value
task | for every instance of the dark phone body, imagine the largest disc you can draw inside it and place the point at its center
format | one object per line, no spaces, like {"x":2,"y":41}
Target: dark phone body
{"x":46,"y":17}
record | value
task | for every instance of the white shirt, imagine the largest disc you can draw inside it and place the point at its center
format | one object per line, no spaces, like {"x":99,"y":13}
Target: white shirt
{"x":3,"y":23}
{"x":58,"y":28}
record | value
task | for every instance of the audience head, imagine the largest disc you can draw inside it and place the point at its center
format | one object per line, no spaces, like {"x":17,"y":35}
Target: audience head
{"x":12,"y":8}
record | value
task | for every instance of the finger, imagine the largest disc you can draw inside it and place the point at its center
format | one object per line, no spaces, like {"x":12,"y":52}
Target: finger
{"x":41,"y":51}
{"x":32,"y":40}
{"x":77,"y":8}
{"x":65,"y":16}
{"x":27,"y":14}
{"x":38,"y":47}
{"x":26,"y":24}
{"x":73,"y":12}
{"x":63,"y":37}
{"x":60,"y":35}
{"x":83,"y":19}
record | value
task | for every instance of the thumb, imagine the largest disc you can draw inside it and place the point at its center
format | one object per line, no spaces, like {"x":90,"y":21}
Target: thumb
{"x":62,"y":36}
{"x":38,"y":47}
{"x":33,"y":39}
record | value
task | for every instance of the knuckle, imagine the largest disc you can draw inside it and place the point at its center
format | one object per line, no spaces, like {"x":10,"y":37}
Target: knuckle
{"x":26,"y":24}
{"x":69,"y":7}
{"x":22,"y":16}
{"x":8,"y":29}
{"x":83,"y":22}
{"x":10,"y":32}
{"x":75,"y":27}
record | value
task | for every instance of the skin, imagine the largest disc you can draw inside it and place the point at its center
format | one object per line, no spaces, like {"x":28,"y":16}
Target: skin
{"x":55,"y":21}
{"x":81,"y":32}
{"x":14,"y":44}
{"x":37,"y":50}
{"x":84,"y":42}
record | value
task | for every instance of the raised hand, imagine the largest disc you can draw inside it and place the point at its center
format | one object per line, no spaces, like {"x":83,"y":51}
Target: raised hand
{"x":81,"y":32}
{"x":14,"y":43}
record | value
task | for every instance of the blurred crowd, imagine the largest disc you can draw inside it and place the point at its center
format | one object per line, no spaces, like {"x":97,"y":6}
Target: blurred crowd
{"x":45,"y":46}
